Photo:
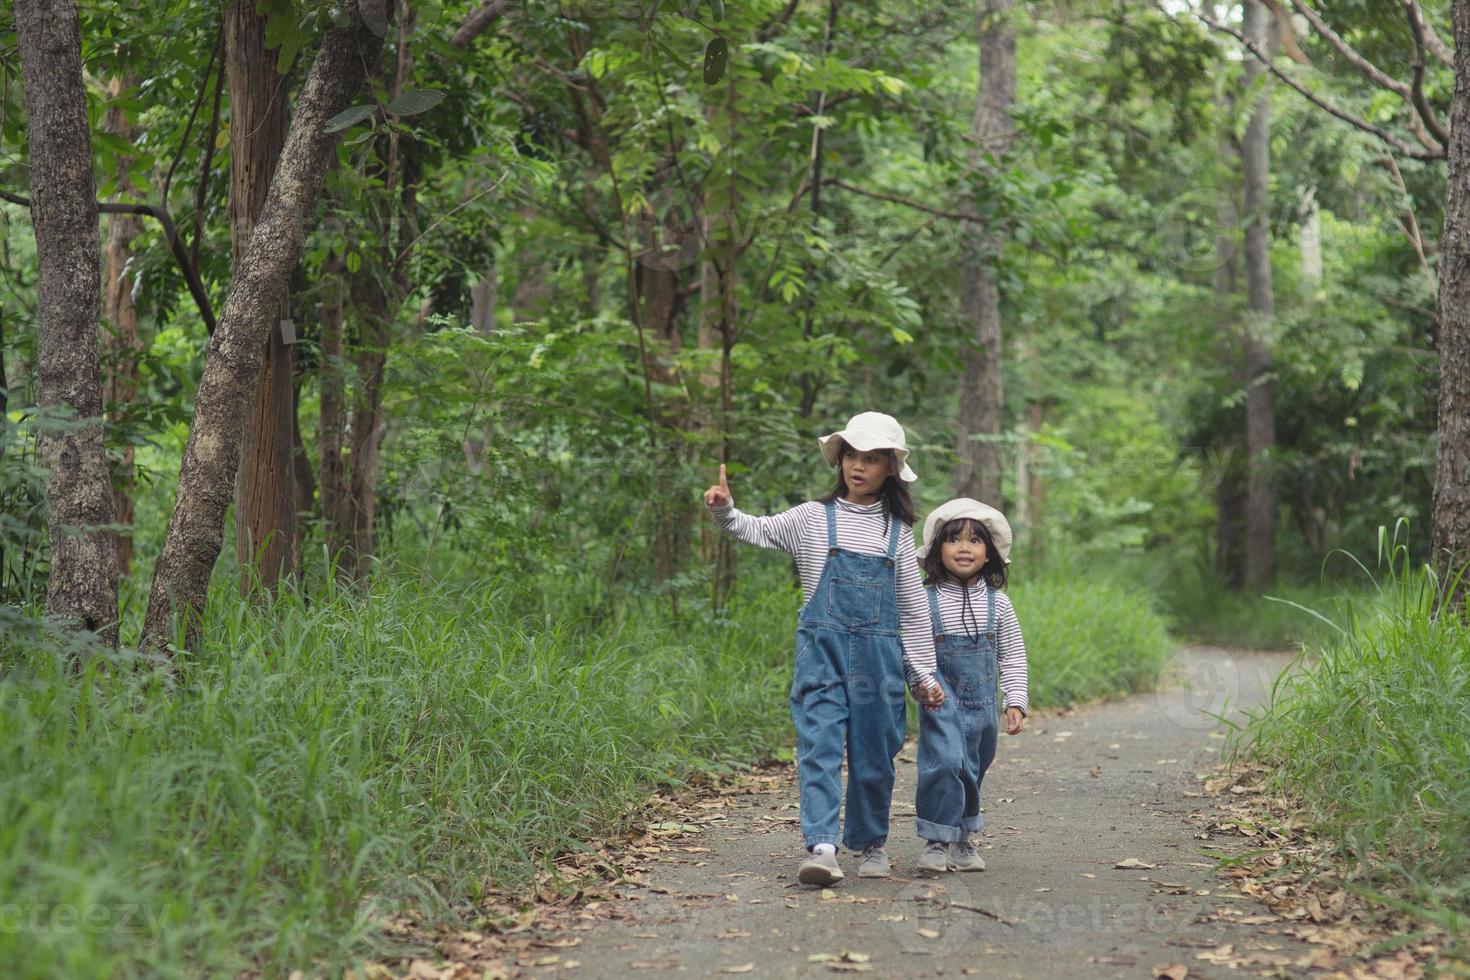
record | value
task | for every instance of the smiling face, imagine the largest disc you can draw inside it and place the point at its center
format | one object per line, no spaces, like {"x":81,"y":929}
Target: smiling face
{"x":864,"y":473}
{"x":963,"y":552}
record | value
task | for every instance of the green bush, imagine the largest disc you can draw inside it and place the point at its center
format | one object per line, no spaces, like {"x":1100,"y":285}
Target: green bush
{"x":1088,"y":637}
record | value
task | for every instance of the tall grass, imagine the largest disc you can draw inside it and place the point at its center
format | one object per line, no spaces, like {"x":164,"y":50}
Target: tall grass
{"x":1374,"y":738}
{"x":321,"y":761}
{"x":416,"y":744}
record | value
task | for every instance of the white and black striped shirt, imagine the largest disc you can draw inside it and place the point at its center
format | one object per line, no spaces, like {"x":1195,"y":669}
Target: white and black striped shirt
{"x":801,"y":532}
{"x":1010,"y":654}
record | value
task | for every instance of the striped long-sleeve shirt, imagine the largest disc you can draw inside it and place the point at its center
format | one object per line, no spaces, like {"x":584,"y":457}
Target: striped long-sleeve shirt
{"x":801,"y":532}
{"x":1010,"y":655}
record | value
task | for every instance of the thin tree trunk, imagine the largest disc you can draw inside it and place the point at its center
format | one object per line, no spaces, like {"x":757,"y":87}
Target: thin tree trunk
{"x":250,"y":311}
{"x":265,"y":495}
{"x":1449,"y":538}
{"x":120,"y":333}
{"x":1228,"y":468}
{"x":1260,"y":418}
{"x":332,"y":414}
{"x":1311,"y":244}
{"x":981,"y":419}
{"x":483,"y":296}
{"x":82,"y":587}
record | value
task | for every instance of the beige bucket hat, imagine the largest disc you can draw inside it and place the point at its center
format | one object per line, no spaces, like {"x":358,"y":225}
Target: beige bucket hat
{"x":867,"y":431}
{"x":964,"y":507}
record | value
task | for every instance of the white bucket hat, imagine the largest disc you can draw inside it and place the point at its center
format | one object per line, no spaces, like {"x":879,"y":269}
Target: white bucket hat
{"x":865,"y":432}
{"x":964,"y":507}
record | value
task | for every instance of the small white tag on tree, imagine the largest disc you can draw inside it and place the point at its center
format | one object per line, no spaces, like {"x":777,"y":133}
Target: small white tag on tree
{"x":288,"y":331}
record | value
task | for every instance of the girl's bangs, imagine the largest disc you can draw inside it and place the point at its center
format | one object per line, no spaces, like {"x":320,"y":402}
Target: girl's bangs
{"x":953,"y":529}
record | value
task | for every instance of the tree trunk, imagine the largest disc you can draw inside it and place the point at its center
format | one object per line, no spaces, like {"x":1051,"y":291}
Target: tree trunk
{"x":251,"y":310}
{"x":265,"y":495}
{"x":1311,"y":244}
{"x":1260,"y":419}
{"x":1449,"y":538}
{"x":332,"y":414}
{"x":120,"y":335}
{"x":483,"y":296}
{"x":978,"y":472}
{"x":82,"y":587}
{"x":1228,"y":467}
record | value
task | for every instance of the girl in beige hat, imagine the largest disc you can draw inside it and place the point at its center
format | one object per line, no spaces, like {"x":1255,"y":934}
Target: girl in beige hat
{"x":965,"y":549}
{"x":862,"y":636}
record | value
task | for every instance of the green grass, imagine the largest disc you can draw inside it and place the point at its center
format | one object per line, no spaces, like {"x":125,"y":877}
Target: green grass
{"x":322,"y":762}
{"x":423,"y":744}
{"x":1088,"y":637}
{"x":1373,"y":736}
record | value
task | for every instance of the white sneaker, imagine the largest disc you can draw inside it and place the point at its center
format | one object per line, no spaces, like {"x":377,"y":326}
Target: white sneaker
{"x":935,"y":857}
{"x":875,"y":863}
{"x":964,"y":857}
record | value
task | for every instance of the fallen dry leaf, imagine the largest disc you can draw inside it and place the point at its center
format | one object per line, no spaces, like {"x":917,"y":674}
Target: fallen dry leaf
{"x":1171,"y":971}
{"x":1134,"y":864}
{"x":741,"y":968}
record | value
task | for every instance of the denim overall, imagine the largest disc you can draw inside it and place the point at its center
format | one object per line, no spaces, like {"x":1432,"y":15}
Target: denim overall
{"x":957,"y":742}
{"x":847,"y":692}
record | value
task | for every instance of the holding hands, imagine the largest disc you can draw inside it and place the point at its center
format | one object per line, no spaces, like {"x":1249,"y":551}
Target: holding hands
{"x":719,"y":494}
{"x":929,"y":694}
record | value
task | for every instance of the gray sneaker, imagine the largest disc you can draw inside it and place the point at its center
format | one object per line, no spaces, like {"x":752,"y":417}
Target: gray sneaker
{"x":935,"y":857}
{"x":964,"y":857}
{"x":874,"y":863}
{"x":820,"y":869}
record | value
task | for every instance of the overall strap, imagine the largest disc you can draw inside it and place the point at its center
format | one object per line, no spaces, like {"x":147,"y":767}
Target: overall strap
{"x":893,"y":536}
{"x":990,"y":609}
{"x":831,"y":526}
{"x":938,"y":625}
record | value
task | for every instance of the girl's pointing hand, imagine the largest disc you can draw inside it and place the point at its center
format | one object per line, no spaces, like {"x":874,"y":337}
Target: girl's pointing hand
{"x":719,"y":494}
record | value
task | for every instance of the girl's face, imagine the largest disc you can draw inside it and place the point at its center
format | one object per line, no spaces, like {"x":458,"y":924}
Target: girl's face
{"x":963,"y":554}
{"x":864,"y":473}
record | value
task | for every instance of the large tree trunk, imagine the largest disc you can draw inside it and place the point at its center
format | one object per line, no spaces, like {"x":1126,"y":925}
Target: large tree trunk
{"x":1260,"y":417}
{"x":251,"y":310}
{"x":265,"y":494}
{"x":978,"y":472}
{"x":1449,"y":538}
{"x":120,"y":336}
{"x":82,"y":588}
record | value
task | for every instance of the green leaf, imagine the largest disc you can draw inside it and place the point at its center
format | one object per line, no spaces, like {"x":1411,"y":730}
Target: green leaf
{"x":717,"y":9}
{"x":353,"y":261}
{"x":415,"y":101}
{"x":348,"y":117}
{"x":716,"y":55}
{"x":672,"y":54}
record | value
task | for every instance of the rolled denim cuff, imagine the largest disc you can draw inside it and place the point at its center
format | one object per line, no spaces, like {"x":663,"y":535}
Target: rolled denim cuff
{"x":931,"y":831}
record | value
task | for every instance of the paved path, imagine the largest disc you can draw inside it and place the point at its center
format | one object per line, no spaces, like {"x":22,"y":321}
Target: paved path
{"x":1065,"y":802}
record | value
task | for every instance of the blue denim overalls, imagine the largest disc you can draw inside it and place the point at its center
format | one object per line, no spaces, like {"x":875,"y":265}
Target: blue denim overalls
{"x":957,"y":742}
{"x":847,"y":691}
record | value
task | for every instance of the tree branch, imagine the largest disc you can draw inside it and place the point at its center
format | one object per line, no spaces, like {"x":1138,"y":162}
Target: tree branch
{"x":168,"y":177}
{"x":478,"y":22}
{"x":895,"y":199}
{"x":1357,"y":122}
{"x":1436,"y":47}
{"x":1351,"y":56}
{"x":773,"y":26}
{"x":1421,"y":104}
{"x":191,"y":276}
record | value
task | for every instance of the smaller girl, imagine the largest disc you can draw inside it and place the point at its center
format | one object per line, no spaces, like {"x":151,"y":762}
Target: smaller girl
{"x":965,"y":549}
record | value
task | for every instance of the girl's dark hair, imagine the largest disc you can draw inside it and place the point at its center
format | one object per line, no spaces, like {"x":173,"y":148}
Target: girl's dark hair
{"x":894,"y":494}
{"x":994,"y":569}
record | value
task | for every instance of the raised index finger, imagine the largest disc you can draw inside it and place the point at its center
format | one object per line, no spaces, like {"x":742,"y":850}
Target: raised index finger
{"x":723,"y":484}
